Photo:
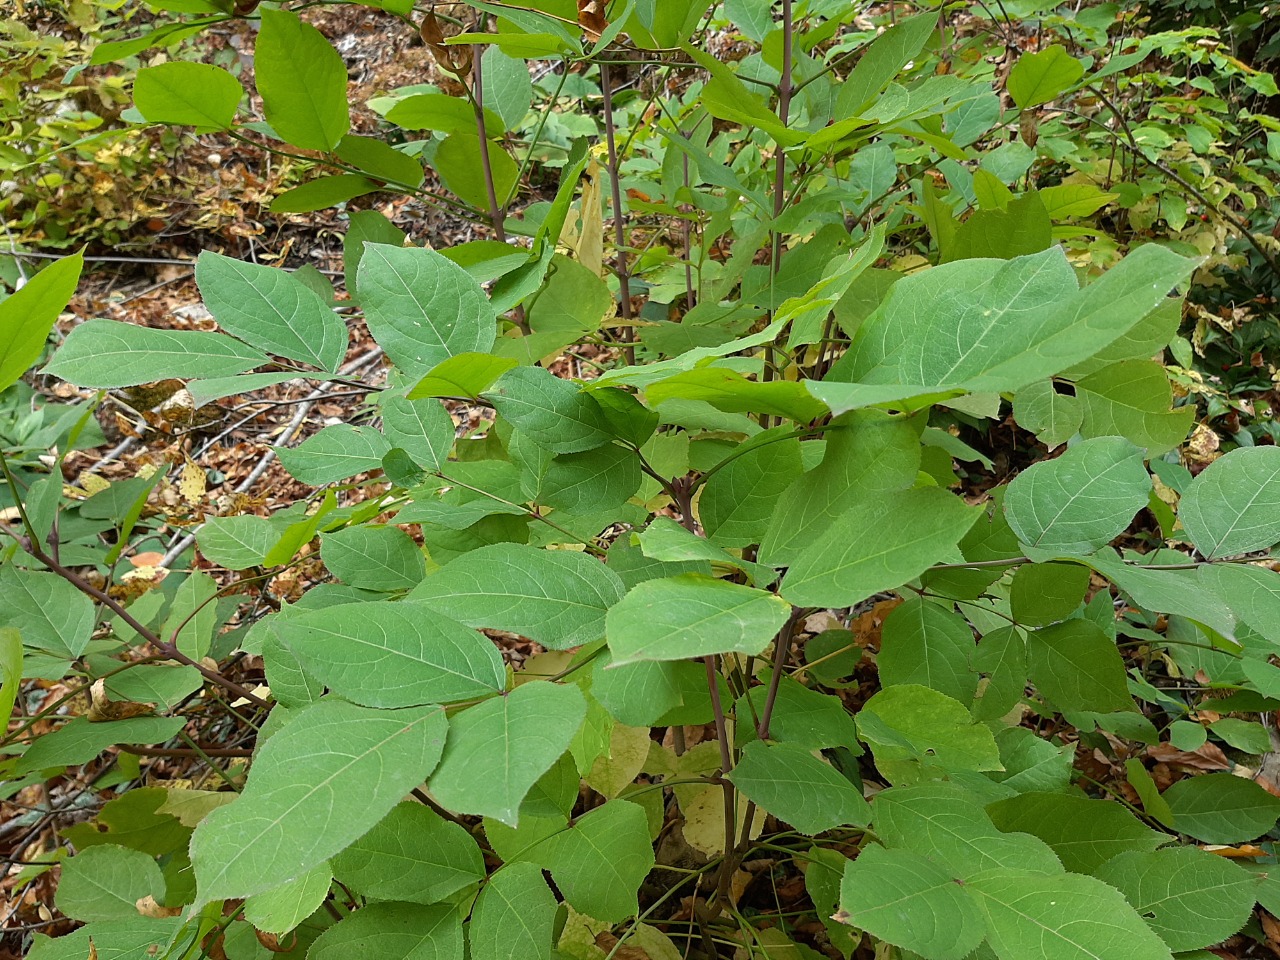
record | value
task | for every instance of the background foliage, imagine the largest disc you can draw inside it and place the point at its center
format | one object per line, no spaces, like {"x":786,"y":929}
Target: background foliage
{"x":821,"y":506}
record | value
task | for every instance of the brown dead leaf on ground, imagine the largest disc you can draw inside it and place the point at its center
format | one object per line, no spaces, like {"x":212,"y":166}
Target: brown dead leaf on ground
{"x":1208,"y":758}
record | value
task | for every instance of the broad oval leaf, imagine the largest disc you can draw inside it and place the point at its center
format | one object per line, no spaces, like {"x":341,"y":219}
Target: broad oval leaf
{"x":27,"y":316}
{"x":106,"y":881}
{"x":1191,"y":897}
{"x":904,"y":899}
{"x":423,"y":428}
{"x":948,"y":825}
{"x":413,"y":854}
{"x":323,"y":780}
{"x":692,"y":615}
{"x":109,"y":353}
{"x":1222,"y":808}
{"x":600,"y":860}
{"x":498,"y":749}
{"x":271,"y":309}
{"x":1084,"y":833}
{"x":302,"y":80}
{"x":914,"y":723}
{"x":514,"y":916}
{"x":337,"y":452}
{"x":373,"y":557}
{"x":48,"y":611}
{"x":1233,"y":506}
{"x":555,"y":597}
{"x":1066,"y":917}
{"x":854,"y":559}
{"x":555,"y":414}
{"x":195,"y":94}
{"x":394,"y":931}
{"x":1080,"y":501}
{"x":788,"y":781}
{"x":393,"y":654}
{"x":1040,"y":77}
{"x":422,"y":307}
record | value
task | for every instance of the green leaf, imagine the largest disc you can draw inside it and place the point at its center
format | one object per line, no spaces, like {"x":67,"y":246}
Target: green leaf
{"x":323,"y":192}
{"x":105,"y":882}
{"x":1040,"y":77}
{"x":443,"y":113}
{"x":507,"y":87}
{"x":1132,"y":399}
{"x":236,"y":542}
{"x":692,"y":615}
{"x":1044,"y":593}
{"x":600,"y":860}
{"x":1233,"y":505}
{"x":302,"y":81}
{"x":422,"y":428}
{"x":880,"y":63}
{"x":993,"y":326}
{"x":1181,"y":592}
{"x":191,"y":94}
{"x":514,"y":916}
{"x":498,"y":749}
{"x":193,"y":615}
{"x":1080,"y":501}
{"x":464,"y":375}
{"x":375,"y":558}
{"x":553,"y":413}
{"x":801,"y":716}
{"x":640,"y":694}
{"x":365,"y":226}
{"x":739,"y":498}
{"x":109,"y":353}
{"x":271,"y":309}
{"x":335,"y":453}
{"x":1052,"y":416}
{"x":788,"y":781}
{"x":28,"y":315}
{"x":947,"y":824}
{"x":1150,"y":336}
{"x":1084,"y":833}
{"x":1020,"y":228}
{"x":904,"y":899}
{"x":1068,"y":200}
{"x":110,"y":939}
{"x":333,"y":763}
{"x":557,"y":598}
{"x":911,"y":722}
{"x":393,"y":654}
{"x":845,"y":564}
{"x":1222,"y":808}
{"x":218,"y":388}
{"x":460,"y":164}
{"x":600,"y":479}
{"x":1077,"y":667}
{"x":730,"y":391}
{"x":1191,"y":898}
{"x":49,"y":612}
{"x":1252,"y":592}
{"x":413,"y":854}
{"x":79,"y":741}
{"x":10,"y":670}
{"x":422,"y":307}
{"x":380,"y":160}
{"x":394,"y":931}
{"x":866,"y":453}
{"x":666,"y":540}
{"x":928,"y":644}
{"x":282,"y":908}
{"x":1066,"y":917}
